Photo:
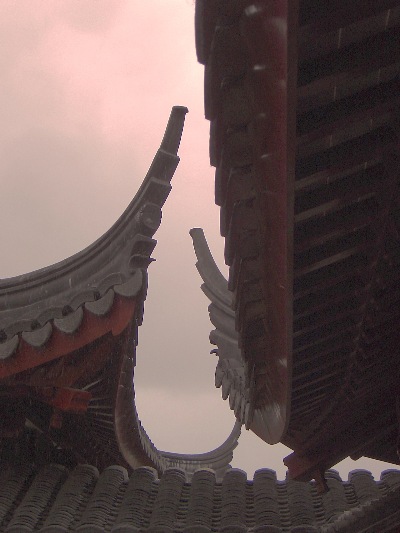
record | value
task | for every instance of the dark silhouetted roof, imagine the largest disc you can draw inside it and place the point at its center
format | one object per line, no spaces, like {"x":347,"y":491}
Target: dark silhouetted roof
{"x":303,"y":102}
{"x":68,"y":336}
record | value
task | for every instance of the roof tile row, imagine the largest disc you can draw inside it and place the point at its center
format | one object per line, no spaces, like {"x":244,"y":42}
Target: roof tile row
{"x":53,"y":500}
{"x":70,"y":323}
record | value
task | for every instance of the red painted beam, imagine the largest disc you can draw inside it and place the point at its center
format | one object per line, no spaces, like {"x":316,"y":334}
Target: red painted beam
{"x":60,"y":344}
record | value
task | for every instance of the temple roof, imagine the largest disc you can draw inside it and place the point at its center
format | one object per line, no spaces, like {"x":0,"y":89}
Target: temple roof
{"x":303,"y":101}
{"x":302,"y":98}
{"x":68,"y":338}
{"x":53,"y":499}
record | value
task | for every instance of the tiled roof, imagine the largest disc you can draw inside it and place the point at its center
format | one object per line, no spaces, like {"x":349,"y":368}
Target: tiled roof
{"x":68,"y":336}
{"x":57,"y":297}
{"x":52,"y":499}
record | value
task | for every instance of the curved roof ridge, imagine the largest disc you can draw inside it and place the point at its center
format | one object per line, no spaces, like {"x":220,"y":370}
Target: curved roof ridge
{"x":29,"y":301}
{"x":134,"y":442}
{"x":217,"y":460}
{"x":230,"y":373}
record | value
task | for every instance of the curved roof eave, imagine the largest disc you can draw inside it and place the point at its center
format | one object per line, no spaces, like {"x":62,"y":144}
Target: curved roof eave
{"x":231,"y":372}
{"x":58,"y":309}
{"x":250,"y":102}
{"x":32,"y":304}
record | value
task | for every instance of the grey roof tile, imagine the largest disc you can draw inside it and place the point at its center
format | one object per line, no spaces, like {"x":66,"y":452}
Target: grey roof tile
{"x":266,"y":504}
{"x":12,"y":484}
{"x":136,"y":503}
{"x":391,"y":478}
{"x":201,"y":501}
{"x":51,"y":500}
{"x":233,"y":498}
{"x":130,"y":287}
{"x":8,"y":347}
{"x":71,"y":322}
{"x":101,"y":306}
{"x":300,"y":503}
{"x":70,"y":499}
{"x":38,"y":337}
{"x":364,"y":486}
{"x":334,"y":500}
{"x":168,"y":498}
{"x":101,"y":508}
{"x":29,"y":512}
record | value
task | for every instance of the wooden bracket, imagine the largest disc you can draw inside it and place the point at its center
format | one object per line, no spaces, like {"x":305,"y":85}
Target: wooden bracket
{"x":65,"y":399}
{"x":303,"y":468}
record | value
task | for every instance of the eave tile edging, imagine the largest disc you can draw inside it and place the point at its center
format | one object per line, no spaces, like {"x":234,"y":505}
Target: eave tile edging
{"x":71,"y":322}
{"x":114,"y":262}
{"x":235,"y":76}
{"x":230,"y":371}
{"x":84,"y":501}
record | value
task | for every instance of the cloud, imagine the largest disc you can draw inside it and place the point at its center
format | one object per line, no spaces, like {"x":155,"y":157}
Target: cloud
{"x":89,"y":15}
{"x":22,"y":28}
{"x":181,"y":422}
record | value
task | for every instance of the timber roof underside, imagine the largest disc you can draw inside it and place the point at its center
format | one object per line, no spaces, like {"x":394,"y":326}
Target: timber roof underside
{"x":317,"y":253}
{"x":346,"y":229}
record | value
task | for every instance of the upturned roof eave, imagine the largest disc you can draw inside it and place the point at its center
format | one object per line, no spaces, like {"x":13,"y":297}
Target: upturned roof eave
{"x":32,"y":303}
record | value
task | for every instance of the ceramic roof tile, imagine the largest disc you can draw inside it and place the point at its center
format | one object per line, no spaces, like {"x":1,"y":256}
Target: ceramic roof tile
{"x":266,"y":503}
{"x":70,"y":499}
{"x":29,"y":512}
{"x":391,"y":478}
{"x":70,"y":323}
{"x":101,"y":306}
{"x":52,"y":500}
{"x":300,"y":503}
{"x":12,"y":483}
{"x":137,"y":500}
{"x":364,"y":486}
{"x":101,"y":508}
{"x":233,"y":498}
{"x":201,"y":500}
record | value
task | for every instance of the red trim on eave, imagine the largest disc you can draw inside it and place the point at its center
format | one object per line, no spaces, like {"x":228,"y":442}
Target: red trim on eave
{"x":275,"y":45}
{"x":60,"y":344}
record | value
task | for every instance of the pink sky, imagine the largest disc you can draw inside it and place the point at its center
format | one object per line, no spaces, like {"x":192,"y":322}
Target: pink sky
{"x":86,"y":90}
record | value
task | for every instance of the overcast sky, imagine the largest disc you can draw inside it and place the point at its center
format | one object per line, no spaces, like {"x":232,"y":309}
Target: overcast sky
{"x":85,"y":93}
